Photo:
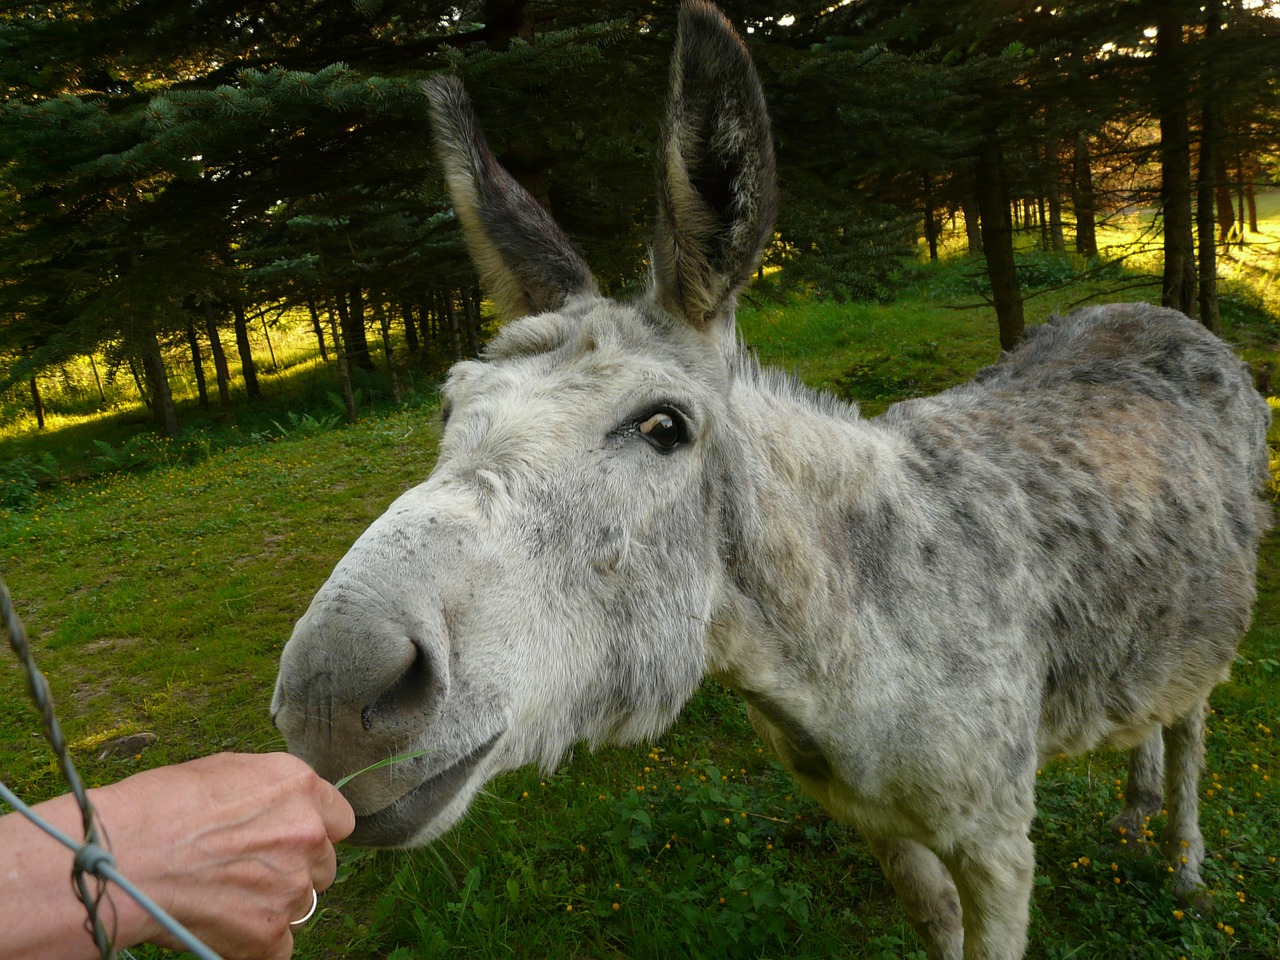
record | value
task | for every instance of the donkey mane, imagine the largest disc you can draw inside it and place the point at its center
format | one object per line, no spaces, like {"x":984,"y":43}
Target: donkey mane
{"x":788,"y":387}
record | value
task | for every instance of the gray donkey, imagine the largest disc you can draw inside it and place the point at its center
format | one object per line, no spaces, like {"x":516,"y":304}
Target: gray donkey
{"x":916,"y":608}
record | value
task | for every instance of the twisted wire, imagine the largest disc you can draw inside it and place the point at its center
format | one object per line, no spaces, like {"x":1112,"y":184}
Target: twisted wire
{"x":91,"y":857}
{"x":38,"y":687}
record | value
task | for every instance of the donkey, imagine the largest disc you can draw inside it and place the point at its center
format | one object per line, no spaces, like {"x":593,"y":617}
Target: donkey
{"x":917,"y":608}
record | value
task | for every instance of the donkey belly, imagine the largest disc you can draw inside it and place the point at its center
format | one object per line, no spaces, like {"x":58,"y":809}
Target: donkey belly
{"x":1151,"y":633}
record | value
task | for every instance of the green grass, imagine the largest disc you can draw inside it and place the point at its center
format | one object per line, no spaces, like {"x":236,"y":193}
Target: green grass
{"x":159,"y":599}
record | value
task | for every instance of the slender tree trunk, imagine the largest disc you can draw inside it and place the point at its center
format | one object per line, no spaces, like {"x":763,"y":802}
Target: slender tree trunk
{"x":969,"y":209}
{"x":357,"y":343}
{"x":247,"y":368}
{"x":143,"y":392}
{"x":452,"y":313}
{"x":344,"y":371}
{"x":410,"y":327}
{"x":1250,"y":197}
{"x":1209,"y":134}
{"x":102,"y":395}
{"x":1082,"y":197}
{"x":425,"y":334}
{"x":1179,"y":284}
{"x":997,"y":242}
{"x":436,"y":317}
{"x":275,"y":366}
{"x":1222,"y":195}
{"x":318,"y":330}
{"x":222,"y":372}
{"x":384,"y":325}
{"x":1057,"y":239}
{"x":197,"y":364}
{"x":37,"y":404}
{"x":471,"y":310}
{"x":930,"y":223}
{"x":1240,"y":196}
{"x":158,"y":378}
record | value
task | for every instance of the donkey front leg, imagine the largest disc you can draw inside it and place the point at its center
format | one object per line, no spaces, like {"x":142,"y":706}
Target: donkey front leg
{"x":994,"y":875}
{"x":927,"y":893}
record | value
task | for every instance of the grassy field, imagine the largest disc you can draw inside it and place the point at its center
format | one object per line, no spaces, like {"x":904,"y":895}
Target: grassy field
{"x":159,"y":599}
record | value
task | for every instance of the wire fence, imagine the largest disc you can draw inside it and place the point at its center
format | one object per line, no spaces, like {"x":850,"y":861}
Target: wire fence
{"x":93,"y":866}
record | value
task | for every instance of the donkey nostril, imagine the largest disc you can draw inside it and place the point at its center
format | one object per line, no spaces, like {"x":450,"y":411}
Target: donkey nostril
{"x":409,"y":694}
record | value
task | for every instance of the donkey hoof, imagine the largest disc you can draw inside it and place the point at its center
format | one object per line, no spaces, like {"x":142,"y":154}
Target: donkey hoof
{"x":1197,"y":898}
{"x":1128,"y":832}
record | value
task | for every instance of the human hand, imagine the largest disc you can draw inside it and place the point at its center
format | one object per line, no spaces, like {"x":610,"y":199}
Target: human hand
{"x":231,"y":845}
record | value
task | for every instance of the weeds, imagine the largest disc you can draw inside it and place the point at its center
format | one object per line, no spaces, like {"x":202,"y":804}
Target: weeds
{"x":301,"y":426}
{"x":21,"y":477}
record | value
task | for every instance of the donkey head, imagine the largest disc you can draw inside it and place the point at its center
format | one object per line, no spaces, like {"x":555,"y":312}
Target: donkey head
{"x":553,"y":579}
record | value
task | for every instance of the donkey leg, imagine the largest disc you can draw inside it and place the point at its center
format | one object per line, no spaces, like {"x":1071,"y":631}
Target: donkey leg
{"x":927,"y":893}
{"x":1142,"y":792}
{"x":1184,"y":746}
{"x":994,"y":875}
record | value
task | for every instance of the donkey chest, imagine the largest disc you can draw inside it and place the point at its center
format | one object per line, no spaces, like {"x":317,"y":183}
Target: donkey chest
{"x":859,"y":781}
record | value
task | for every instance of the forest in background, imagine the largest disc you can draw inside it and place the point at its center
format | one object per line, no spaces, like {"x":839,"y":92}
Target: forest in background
{"x":172,"y":175}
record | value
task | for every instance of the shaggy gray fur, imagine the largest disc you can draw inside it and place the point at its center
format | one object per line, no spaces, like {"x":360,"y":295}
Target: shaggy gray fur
{"x":916,"y":608}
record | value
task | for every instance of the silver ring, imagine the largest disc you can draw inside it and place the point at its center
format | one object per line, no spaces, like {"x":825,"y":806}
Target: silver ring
{"x":315,"y":899}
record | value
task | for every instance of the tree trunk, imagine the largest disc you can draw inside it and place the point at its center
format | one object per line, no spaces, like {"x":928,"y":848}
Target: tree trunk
{"x":1250,"y":197}
{"x":1082,"y":198}
{"x":452,"y":313}
{"x":318,"y":330}
{"x":1205,"y":222}
{"x":969,"y":207}
{"x":1179,"y":283}
{"x":344,"y":371}
{"x":137,"y":382}
{"x":1057,"y":239}
{"x":221,"y":371}
{"x":247,"y":368}
{"x":1240,"y":197}
{"x":197,"y":364}
{"x":930,"y":224}
{"x":997,"y":242}
{"x":352,"y":317}
{"x":471,"y":310}
{"x":158,"y":379}
{"x":102,"y":395}
{"x":410,"y":327}
{"x":1222,"y":195}
{"x":266,"y":334}
{"x":384,"y":325}
{"x":37,"y":404}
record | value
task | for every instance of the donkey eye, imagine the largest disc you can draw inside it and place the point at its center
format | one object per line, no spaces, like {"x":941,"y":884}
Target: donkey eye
{"x":664,"y":429}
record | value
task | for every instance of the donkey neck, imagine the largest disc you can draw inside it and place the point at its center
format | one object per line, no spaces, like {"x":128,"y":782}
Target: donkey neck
{"x":804,"y":470}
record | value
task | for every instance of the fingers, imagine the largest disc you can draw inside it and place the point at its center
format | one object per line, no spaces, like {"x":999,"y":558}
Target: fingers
{"x":324,"y":868}
{"x":339,"y":818}
{"x":245,"y":844}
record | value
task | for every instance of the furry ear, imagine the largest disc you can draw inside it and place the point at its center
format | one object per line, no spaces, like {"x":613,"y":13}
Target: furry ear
{"x":717,"y":187}
{"x":526,"y":263}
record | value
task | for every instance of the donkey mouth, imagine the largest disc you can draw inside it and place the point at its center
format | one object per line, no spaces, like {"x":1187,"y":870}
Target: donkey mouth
{"x":395,"y":824}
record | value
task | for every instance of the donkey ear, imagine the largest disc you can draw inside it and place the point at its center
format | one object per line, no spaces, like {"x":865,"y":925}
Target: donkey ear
{"x":717,"y":189}
{"x":526,"y":263}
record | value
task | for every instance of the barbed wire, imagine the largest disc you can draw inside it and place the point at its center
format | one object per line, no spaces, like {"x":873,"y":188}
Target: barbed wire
{"x":92,"y":855}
